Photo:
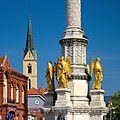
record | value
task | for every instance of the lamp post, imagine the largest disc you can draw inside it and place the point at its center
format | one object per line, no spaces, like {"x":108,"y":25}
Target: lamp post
{"x":111,"y":110}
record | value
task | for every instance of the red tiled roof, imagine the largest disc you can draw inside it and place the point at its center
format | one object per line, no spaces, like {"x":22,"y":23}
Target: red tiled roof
{"x":34,"y":91}
{"x":42,"y":89}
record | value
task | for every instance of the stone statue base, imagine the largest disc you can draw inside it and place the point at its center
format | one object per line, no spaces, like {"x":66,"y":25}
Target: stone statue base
{"x":63,"y":108}
{"x":63,"y":104}
{"x":63,"y":98}
{"x":49,"y":99}
{"x":97,"y":105}
{"x":49,"y":102}
{"x":97,"y":98}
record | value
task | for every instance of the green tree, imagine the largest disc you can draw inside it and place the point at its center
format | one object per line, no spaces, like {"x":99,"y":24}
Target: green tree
{"x":116,"y":105}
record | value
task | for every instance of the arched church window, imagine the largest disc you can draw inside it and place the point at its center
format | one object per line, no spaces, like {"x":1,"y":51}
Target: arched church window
{"x":17,"y":93}
{"x":23,"y":117}
{"x":5,"y":89}
{"x":23,"y":94}
{"x":17,"y":117}
{"x":29,"y":68}
{"x":29,"y":83}
{"x":11,"y":89}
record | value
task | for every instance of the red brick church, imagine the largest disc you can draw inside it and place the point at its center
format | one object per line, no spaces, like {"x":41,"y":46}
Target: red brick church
{"x":13,"y":92}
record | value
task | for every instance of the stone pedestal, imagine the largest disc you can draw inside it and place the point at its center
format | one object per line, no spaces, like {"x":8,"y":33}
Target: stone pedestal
{"x":49,"y":99}
{"x":79,"y":93}
{"x":97,"y":98}
{"x":63,"y":98}
{"x":63,"y":104}
{"x":49,"y":102}
{"x":97,"y":105}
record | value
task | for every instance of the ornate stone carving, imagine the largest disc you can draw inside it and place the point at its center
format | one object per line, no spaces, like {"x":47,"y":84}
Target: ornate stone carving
{"x":77,"y":70}
{"x":78,"y":53}
{"x":75,"y":49}
{"x":83,"y":54}
{"x":70,"y":52}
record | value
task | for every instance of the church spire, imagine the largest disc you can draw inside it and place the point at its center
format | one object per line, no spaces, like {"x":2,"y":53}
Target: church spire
{"x":30,"y":58}
{"x":29,"y":39}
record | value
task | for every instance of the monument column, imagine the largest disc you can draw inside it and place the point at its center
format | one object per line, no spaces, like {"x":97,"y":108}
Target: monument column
{"x":73,"y":45}
{"x":73,"y":13}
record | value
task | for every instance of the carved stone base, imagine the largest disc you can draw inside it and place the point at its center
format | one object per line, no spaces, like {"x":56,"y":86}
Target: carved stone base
{"x":97,"y":105}
{"x":63,"y":98}
{"x":49,"y":99}
{"x":48,"y":113}
{"x":79,"y":93}
{"x":97,"y":98}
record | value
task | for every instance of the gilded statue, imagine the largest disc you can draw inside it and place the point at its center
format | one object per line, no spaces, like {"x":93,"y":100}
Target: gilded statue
{"x":62,"y":70}
{"x":96,"y":67}
{"x":50,"y":77}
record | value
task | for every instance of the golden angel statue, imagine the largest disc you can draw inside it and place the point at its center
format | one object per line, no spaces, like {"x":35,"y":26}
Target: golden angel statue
{"x":62,"y":70}
{"x":50,"y":77}
{"x":96,"y":67}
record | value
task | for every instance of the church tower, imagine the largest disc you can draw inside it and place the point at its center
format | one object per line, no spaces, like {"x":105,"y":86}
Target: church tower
{"x":30,"y":58}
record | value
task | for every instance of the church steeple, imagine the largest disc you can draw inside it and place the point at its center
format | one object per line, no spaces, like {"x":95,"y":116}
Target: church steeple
{"x":29,"y":43}
{"x":29,"y":40}
{"x":30,"y":58}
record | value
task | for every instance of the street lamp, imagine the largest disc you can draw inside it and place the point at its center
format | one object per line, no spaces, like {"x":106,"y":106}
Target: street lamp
{"x":111,"y":110}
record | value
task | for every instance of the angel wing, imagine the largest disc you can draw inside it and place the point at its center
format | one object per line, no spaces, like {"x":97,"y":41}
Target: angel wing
{"x":92,"y":64}
{"x":88,"y":68}
{"x":68,"y":64}
{"x":55,"y":67}
{"x":50,"y":70}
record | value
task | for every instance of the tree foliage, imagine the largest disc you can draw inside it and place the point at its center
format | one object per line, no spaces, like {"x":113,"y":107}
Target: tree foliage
{"x":116,"y":105}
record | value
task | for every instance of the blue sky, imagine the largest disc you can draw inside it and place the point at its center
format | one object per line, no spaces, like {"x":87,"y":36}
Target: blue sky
{"x":100,"y":21}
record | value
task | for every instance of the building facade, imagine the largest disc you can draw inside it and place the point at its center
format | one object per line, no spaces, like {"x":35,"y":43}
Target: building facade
{"x":30,"y":59}
{"x":13,"y":92}
{"x":35,"y":102}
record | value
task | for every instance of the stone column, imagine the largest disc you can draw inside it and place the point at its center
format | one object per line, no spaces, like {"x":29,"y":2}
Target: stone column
{"x":73,"y":13}
{"x":73,"y":45}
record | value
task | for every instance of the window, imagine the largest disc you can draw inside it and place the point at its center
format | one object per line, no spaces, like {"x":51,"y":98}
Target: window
{"x":17,"y":93}
{"x":29,"y":68}
{"x":29,"y":84}
{"x":37,"y":102}
{"x":11,"y":91}
{"x":23,"y":117}
{"x":5,"y":89}
{"x":23,"y":95}
{"x":17,"y":117}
